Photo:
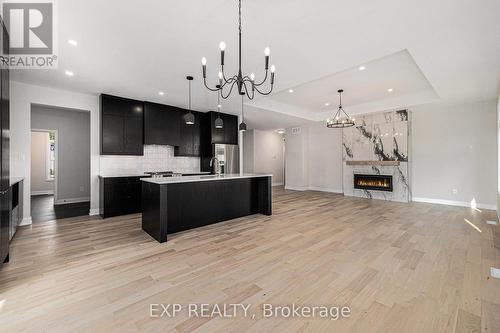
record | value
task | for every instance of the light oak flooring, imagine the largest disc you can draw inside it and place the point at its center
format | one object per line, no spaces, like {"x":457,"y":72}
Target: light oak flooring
{"x":399,"y":267}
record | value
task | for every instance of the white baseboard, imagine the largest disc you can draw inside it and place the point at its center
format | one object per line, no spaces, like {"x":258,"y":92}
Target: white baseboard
{"x":71,"y":200}
{"x":325,"y":189}
{"x":47,"y":192}
{"x":93,"y":212}
{"x":278,"y":184}
{"x":313,"y":188}
{"x":296,"y":188}
{"x":454,"y":203}
{"x":25,"y":221}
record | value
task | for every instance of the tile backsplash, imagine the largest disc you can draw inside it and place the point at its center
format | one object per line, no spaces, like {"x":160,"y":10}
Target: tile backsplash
{"x":156,"y":158}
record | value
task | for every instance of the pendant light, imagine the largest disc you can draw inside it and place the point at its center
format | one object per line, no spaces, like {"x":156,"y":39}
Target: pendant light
{"x":189,"y":117}
{"x":341,"y":119}
{"x":219,"y":124}
{"x":243,"y":126}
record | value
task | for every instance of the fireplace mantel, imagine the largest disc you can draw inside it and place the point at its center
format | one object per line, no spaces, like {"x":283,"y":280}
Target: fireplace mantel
{"x":380,"y":163}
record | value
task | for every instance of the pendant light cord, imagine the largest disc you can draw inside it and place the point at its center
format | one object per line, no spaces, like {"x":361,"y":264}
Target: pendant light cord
{"x":242,"y":114}
{"x":189,"y":95}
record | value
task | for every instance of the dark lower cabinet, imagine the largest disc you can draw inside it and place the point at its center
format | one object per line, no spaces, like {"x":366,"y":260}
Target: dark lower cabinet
{"x":5,"y":204}
{"x":122,"y":126}
{"x":120,"y":196}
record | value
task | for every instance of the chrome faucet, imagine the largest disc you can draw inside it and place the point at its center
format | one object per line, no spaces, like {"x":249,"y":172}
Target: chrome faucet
{"x":214,"y":164}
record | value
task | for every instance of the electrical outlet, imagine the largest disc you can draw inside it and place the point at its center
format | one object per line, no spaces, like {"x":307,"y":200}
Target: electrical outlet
{"x":495,"y":272}
{"x":82,"y":188}
{"x":454,"y":191}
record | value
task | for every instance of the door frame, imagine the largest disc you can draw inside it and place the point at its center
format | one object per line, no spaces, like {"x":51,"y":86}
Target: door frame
{"x":56,"y":156}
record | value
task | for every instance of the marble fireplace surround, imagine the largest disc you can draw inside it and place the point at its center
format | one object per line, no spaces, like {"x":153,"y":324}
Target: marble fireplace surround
{"x":377,"y":145}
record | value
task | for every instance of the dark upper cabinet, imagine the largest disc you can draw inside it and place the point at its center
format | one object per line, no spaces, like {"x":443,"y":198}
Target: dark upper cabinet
{"x":229,"y":133}
{"x":162,"y":124}
{"x":190,"y":136}
{"x":230,"y":129}
{"x":122,"y":126}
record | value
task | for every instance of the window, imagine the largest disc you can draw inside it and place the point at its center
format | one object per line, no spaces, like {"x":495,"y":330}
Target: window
{"x":51,"y":158}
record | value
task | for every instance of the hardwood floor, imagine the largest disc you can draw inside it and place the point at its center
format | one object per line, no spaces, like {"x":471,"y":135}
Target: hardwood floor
{"x":399,"y":267}
{"x":43,"y":209}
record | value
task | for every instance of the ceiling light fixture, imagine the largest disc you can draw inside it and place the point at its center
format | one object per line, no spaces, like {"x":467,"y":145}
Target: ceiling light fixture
{"x":280,"y":131}
{"x":239,"y":80}
{"x":161,"y":93}
{"x":341,"y":119}
{"x":69,"y":73}
{"x":390,"y":90}
{"x":327,"y":104}
{"x":72,"y":42}
{"x":290,"y":91}
{"x":219,"y":123}
{"x":362,"y":68}
{"x":189,"y":117}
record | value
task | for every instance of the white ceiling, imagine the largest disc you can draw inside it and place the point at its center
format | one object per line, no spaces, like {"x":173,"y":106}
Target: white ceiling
{"x":136,"y":49}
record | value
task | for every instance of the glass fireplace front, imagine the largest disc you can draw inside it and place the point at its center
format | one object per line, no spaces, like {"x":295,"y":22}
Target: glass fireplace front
{"x":373,"y":182}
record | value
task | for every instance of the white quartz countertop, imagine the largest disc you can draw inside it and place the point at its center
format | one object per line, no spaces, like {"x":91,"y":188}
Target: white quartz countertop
{"x":188,"y":179}
{"x":121,"y":175}
{"x":118,"y":175}
{"x":14,"y":180}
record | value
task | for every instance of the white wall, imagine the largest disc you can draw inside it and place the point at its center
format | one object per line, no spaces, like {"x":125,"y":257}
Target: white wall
{"x":21,"y":98}
{"x":314,"y":158}
{"x":39,"y":155}
{"x":263,"y":153}
{"x":72,"y":150}
{"x":454,"y":147}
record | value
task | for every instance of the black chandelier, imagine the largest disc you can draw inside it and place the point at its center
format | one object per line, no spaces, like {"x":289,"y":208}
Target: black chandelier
{"x":239,"y":80}
{"x":341,"y":119}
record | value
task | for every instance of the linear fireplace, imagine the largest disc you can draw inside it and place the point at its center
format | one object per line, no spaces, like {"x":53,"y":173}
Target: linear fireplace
{"x":373,"y":182}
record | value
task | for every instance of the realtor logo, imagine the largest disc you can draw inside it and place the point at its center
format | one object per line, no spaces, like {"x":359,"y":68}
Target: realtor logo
{"x":30,"y":27}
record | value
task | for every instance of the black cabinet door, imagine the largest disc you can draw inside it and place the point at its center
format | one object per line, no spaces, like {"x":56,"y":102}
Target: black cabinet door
{"x":162,"y":124}
{"x":5,"y":205}
{"x":230,"y":129}
{"x":122,"y":195}
{"x":122,"y":126}
{"x":190,"y":137}
{"x":112,"y":135}
{"x":217,"y":133}
{"x":228,"y":134}
{"x":133,"y":143}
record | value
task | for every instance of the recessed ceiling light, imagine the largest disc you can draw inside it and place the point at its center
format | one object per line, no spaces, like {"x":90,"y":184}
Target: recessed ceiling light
{"x":72,"y":42}
{"x":362,"y":68}
{"x":69,"y":73}
{"x":280,"y":131}
{"x":327,"y":104}
{"x":161,"y":93}
{"x":290,"y":90}
{"x":390,"y":90}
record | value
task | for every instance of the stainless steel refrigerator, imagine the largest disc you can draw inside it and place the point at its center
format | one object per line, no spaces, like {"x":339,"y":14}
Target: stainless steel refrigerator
{"x":228,"y":157}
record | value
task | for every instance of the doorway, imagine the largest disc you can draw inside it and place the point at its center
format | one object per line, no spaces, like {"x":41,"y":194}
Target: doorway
{"x":60,"y":163}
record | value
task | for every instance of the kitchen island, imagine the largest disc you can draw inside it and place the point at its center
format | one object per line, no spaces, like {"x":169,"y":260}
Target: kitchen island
{"x":173,"y":204}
